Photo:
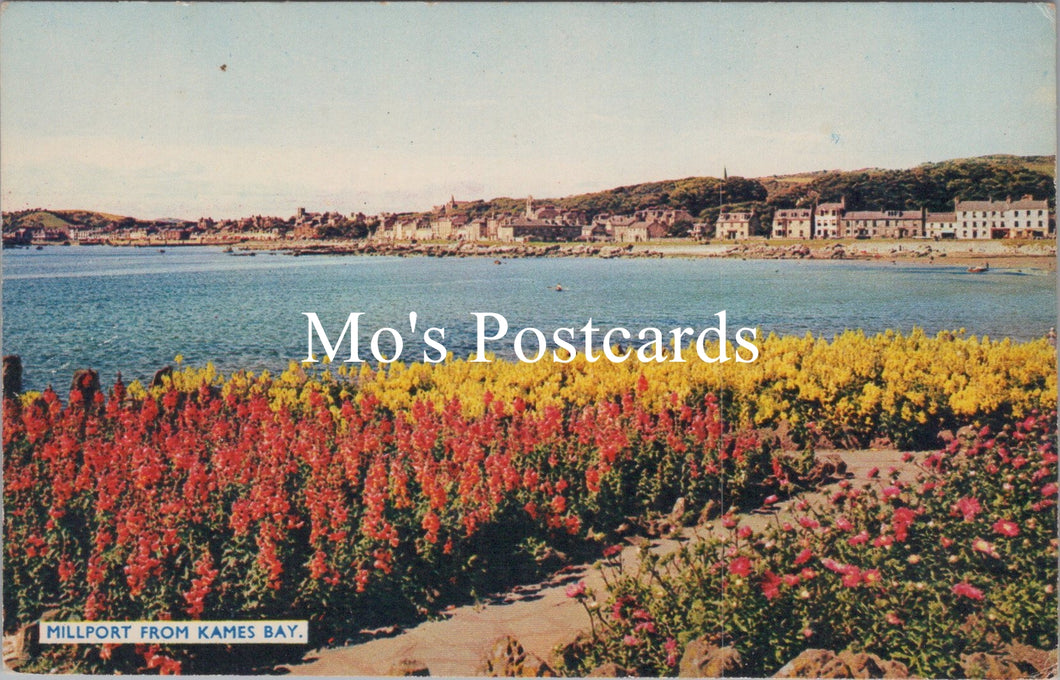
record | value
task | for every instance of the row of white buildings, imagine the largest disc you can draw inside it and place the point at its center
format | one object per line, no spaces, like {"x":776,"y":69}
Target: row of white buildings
{"x":1024,"y":218}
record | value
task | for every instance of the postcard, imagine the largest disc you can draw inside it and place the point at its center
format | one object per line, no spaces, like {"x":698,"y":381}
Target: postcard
{"x":529,"y":339}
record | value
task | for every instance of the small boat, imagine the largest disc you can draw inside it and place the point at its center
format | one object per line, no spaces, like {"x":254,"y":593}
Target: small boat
{"x":161,"y":250}
{"x":40,"y":247}
{"x":979,"y":270}
{"x":559,"y":288}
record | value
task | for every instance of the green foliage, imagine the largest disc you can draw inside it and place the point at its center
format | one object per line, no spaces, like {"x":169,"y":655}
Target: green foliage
{"x":959,"y":561}
{"x":931,"y":185}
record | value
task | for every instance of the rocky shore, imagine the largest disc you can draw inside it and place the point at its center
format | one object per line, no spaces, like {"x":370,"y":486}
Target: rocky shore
{"x":1037,"y":255}
{"x":463,"y":249}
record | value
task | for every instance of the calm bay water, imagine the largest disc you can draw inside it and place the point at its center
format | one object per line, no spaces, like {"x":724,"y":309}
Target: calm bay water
{"x":133,"y":310}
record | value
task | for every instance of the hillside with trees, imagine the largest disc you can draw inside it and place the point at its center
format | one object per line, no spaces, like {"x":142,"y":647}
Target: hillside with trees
{"x":930,"y":185}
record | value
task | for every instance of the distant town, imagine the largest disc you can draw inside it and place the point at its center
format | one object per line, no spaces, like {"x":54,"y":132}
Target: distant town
{"x":1025,"y":218}
{"x":951,"y":200}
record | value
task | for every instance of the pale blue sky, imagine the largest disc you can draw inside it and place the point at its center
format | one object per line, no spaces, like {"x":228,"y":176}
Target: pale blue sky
{"x":124,"y":108}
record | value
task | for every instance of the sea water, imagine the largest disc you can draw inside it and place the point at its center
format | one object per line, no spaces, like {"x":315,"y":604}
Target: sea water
{"x":134,"y":309}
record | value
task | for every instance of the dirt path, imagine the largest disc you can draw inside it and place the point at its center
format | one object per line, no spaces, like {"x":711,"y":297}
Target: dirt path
{"x":539,"y":616}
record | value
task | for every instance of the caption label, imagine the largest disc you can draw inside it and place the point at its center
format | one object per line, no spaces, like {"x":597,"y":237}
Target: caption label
{"x":175,"y":632}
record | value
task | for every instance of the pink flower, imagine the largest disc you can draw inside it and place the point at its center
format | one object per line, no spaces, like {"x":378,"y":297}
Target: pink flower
{"x":612,"y":550}
{"x":791,"y":580}
{"x":861,"y":537}
{"x":871,"y":576}
{"x":884,"y":541}
{"x":803,"y":556}
{"x":986,"y":547}
{"x":576,"y":589}
{"x":630,"y":640}
{"x":965,"y":589}
{"x":851,"y":576}
{"x":1006,"y":527}
{"x":809,"y":523}
{"x":891,"y":491}
{"x":1049,"y":489}
{"x":770,"y":500}
{"x":874,"y":472}
{"x":893,"y":619}
{"x":831,"y":565}
{"x":969,"y":507}
{"x":645,"y":626}
{"x":671,"y":651}
{"x":744,"y":532}
{"x":843,"y":524}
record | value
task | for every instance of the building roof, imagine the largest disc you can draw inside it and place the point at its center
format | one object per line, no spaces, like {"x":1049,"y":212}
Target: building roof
{"x":980,"y":205}
{"x":1030,"y":203}
{"x":942,"y":217}
{"x":867,"y":215}
{"x":792,"y":213}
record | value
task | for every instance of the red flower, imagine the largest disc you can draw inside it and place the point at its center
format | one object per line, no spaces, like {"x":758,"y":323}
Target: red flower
{"x":744,"y":532}
{"x":1006,"y":527}
{"x":965,"y":589}
{"x":1049,"y":489}
{"x":770,"y":585}
{"x":803,"y":556}
{"x":770,"y":500}
{"x":741,"y":566}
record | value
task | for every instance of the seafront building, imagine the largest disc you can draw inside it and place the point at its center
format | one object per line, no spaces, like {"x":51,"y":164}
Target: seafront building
{"x":793,"y":223}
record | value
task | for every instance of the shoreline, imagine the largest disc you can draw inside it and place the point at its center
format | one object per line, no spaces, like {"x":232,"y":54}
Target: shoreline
{"x":1037,"y":255}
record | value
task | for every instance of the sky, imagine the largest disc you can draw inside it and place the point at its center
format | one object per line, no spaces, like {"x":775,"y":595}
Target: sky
{"x":225,"y":110}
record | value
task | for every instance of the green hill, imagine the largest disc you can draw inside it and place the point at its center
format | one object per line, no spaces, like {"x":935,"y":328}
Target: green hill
{"x":60,"y":219}
{"x":931,"y":185}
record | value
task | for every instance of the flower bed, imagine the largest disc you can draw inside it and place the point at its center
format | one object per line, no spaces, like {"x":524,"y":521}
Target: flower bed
{"x":960,"y":561}
{"x":262,"y":499}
